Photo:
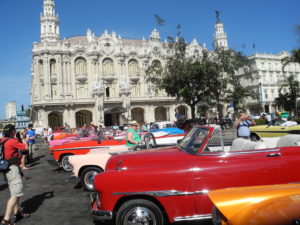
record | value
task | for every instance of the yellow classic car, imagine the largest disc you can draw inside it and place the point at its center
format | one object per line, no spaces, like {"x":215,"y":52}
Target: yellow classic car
{"x":257,"y":205}
{"x":277,"y":129}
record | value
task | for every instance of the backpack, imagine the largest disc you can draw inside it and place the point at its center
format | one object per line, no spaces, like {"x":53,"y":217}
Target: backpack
{"x":4,"y":164}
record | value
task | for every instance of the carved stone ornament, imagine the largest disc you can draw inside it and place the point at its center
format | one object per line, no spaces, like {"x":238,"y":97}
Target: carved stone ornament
{"x":53,"y":78}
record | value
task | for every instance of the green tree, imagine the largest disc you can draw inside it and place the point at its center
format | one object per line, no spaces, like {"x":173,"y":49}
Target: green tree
{"x":205,"y":77}
{"x":294,"y":58}
{"x":237,"y":96}
{"x":184,"y":77}
{"x":224,"y":81}
{"x":27,"y":112}
{"x":288,"y":100}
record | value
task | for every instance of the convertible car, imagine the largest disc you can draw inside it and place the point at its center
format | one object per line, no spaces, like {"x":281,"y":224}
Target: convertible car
{"x":263,"y":205}
{"x":86,"y":166}
{"x":171,"y":184}
{"x":277,"y":129}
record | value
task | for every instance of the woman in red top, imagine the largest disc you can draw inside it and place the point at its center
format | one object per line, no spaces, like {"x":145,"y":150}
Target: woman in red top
{"x":13,"y":175}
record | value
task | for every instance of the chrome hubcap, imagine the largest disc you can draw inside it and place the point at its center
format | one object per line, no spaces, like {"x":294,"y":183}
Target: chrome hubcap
{"x":65,"y":164}
{"x":139,"y":216}
{"x":89,"y":179}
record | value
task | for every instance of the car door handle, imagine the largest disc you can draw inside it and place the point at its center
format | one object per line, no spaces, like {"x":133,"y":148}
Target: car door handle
{"x":274,"y":154}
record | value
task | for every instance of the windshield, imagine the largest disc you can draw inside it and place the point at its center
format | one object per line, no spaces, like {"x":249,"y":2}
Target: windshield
{"x":194,"y":139}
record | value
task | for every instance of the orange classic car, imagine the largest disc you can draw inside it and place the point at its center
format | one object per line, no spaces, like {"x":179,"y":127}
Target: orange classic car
{"x":257,"y":205}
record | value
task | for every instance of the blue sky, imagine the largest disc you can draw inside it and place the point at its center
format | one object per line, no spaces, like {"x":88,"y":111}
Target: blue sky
{"x":270,"y":24}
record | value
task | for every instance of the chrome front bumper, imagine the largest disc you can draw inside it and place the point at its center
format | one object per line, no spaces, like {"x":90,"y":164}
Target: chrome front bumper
{"x":52,"y":161}
{"x":98,"y":215}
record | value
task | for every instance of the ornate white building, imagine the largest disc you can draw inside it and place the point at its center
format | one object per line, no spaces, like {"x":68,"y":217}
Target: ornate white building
{"x":101,"y":79}
{"x":266,"y":69}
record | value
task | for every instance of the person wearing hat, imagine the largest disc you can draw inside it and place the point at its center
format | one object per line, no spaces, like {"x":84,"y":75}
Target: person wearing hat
{"x":13,"y":176}
{"x":133,"y":137}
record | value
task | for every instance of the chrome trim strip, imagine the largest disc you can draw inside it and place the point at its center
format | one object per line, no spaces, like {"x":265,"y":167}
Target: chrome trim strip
{"x":241,"y":152}
{"x":79,"y":148}
{"x":163,"y":193}
{"x":195,"y":217}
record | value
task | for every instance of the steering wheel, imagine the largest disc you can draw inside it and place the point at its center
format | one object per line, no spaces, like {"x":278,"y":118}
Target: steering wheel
{"x":149,"y":140}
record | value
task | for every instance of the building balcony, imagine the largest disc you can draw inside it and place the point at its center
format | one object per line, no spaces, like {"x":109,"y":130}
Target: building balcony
{"x":64,"y":101}
{"x":81,"y":78}
{"x":134,"y":79}
{"x":109,"y":78}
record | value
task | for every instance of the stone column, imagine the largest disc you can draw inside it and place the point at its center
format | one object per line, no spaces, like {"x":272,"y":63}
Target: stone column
{"x":59,"y":77}
{"x":64,"y":78}
{"x":72,"y":118}
{"x":72,"y":84}
{"x":44,"y":117}
{"x":36,"y":80}
{"x":149,"y":115}
{"x":47,"y":83}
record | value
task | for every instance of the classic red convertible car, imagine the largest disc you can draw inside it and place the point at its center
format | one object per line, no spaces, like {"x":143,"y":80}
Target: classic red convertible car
{"x":171,"y":183}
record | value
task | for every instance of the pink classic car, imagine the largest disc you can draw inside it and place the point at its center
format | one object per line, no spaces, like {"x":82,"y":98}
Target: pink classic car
{"x":171,"y":184}
{"x":62,"y":141}
{"x":85,"y":167}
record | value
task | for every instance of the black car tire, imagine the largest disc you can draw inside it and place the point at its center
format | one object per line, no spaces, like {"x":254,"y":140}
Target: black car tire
{"x":64,"y":161}
{"x":147,"y":210}
{"x":87,"y":177}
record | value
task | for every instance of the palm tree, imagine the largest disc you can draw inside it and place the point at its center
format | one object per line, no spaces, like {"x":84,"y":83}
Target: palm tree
{"x":288,"y":100}
{"x":294,"y":58}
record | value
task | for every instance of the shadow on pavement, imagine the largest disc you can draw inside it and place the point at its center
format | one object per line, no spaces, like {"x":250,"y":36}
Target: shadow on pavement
{"x":32,"y":204}
{"x":3,"y":185}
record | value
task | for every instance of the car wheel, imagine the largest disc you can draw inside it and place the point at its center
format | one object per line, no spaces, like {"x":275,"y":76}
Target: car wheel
{"x":139,"y":211}
{"x":87,"y":177}
{"x":65,"y":163}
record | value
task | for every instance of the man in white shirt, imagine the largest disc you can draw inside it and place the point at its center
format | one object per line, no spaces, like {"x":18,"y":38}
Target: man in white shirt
{"x":269,"y":119}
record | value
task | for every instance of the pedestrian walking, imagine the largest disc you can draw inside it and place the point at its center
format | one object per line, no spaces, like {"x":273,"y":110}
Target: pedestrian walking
{"x":31,"y":141}
{"x":49,"y":134}
{"x":24,"y":153}
{"x":13,"y":175}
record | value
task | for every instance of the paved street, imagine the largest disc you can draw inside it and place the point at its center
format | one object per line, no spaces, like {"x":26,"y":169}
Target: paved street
{"x":50,"y":197}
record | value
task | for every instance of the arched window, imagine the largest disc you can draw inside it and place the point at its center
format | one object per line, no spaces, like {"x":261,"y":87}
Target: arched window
{"x":52,"y":66}
{"x":137,"y":114}
{"x":80,"y":66}
{"x":133,"y":67}
{"x":40,"y":67}
{"x":107,"y":66}
{"x":107,"y":92}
